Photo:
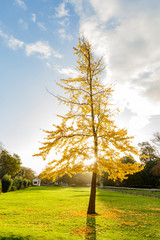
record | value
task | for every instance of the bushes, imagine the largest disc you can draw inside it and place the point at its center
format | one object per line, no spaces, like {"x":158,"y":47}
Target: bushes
{"x":17,"y":183}
{"x":25,"y":183}
{"x":12,"y":185}
{"x":20,"y":183}
{"x":6,"y":183}
{"x":0,"y":187}
{"x":29,"y":183}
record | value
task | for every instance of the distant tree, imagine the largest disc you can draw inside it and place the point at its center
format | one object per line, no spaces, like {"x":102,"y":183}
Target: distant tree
{"x":148,"y":152}
{"x":64,"y":179}
{"x":87,"y":133}
{"x":28,"y":173}
{"x":81,"y":179}
{"x":156,"y":141}
{"x":45,"y":180}
{"x":156,"y":168}
{"x":109,"y":182}
{"x":1,"y":146}
{"x":144,"y":178}
{"x":128,"y":159}
{"x":9,"y":164}
{"x":151,"y":153}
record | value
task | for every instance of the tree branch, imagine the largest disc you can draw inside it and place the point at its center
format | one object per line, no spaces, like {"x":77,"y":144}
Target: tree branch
{"x":63,"y":99}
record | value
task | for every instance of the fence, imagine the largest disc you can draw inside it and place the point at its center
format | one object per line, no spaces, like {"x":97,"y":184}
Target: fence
{"x":135,"y":191}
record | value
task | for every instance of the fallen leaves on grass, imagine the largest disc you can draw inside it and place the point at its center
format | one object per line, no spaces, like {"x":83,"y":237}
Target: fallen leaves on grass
{"x":133,"y":224}
{"x":83,"y":231}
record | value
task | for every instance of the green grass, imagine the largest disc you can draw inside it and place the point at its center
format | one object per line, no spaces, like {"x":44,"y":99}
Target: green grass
{"x":60,"y":213}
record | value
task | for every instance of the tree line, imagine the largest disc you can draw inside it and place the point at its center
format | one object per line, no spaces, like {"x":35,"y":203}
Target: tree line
{"x":149,"y":177}
{"x":13,"y":175}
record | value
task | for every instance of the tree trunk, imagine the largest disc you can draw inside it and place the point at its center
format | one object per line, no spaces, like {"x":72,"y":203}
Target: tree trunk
{"x":91,"y":206}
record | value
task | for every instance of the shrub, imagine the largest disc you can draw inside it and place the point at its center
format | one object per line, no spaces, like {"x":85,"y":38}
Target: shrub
{"x":20,"y":183}
{"x":13,"y":188}
{"x":0,"y":187}
{"x":6,"y":183}
{"x":25,"y":183}
{"x":17,"y":183}
{"x":29,"y":183}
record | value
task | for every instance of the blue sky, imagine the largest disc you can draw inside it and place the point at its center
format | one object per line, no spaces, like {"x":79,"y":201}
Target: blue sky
{"x":36,"y":40}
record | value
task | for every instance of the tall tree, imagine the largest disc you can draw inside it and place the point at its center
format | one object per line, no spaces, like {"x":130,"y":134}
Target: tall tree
{"x":148,"y":152}
{"x":156,"y":142}
{"x":9,"y":164}
{"x":87,"y":136}
{"x":27,"y":173}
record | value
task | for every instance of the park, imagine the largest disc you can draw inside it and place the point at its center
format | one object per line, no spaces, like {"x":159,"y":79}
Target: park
{"x":80,"y":135}
{"x":60,"y":213}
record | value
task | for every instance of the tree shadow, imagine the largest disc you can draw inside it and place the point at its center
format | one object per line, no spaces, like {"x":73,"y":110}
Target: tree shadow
{"x":14,"y":237}
{"x":91,"y":227}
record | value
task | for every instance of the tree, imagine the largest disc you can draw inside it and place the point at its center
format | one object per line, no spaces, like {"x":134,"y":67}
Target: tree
{"x":156,"y":141}
{"x":9,"y":164}
{"x":148,"y":152}
{"x":144,"y":178}
{"x":110,"y":182}
{"x":87,"y":137}
{"x":128,"y":159}
{"x":27,"y":173}
{"x":1,"y":146}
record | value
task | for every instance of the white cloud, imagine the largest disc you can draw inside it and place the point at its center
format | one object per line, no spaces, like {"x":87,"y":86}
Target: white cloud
{"x":104,"y":9}
{"x":64,"y":22}
{"x":43,"y":49}
{"x":15,"y":43}
{"x":79,"y":7}
{"x":129,"y":41}
{"x":3,"y":35}
{"x":21,"y":4}
{"x":61,"y":11}
{"x":11,"y":41}
{"x":127,"y":34}
{"x":56,"y":54}
{"x":64,"y":35}
{"x":68,"y":71}
{"x":23,"y":24}
{"x":33,"y":17}
{"x":41,"y":26}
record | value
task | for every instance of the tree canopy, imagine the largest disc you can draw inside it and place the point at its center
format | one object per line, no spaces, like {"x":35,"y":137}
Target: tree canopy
{"x":87,"y":137}
{"x":27,"y":173}
{"x":9,"y":164}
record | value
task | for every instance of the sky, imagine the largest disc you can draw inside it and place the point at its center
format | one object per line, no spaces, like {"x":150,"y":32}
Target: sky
{"x":36,"y":50}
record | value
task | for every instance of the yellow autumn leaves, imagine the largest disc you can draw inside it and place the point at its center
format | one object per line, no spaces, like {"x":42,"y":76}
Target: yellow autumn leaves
{"x":87,"y":130}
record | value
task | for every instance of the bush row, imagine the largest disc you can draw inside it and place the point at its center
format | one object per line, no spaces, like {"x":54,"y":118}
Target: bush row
{"x":0,"y":187}
{"x":9,"y":184}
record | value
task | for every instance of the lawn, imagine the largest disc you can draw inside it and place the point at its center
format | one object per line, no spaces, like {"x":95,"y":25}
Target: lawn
{"x":60,"y":213}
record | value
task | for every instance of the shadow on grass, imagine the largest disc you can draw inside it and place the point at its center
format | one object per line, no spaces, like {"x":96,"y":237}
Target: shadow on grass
{"x":103,"y":193}
{"x":90,"y":227}
{"x":13,"y":237}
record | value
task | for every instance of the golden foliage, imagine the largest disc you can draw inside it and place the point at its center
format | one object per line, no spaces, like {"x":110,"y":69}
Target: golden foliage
{"x":88,"y":130}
